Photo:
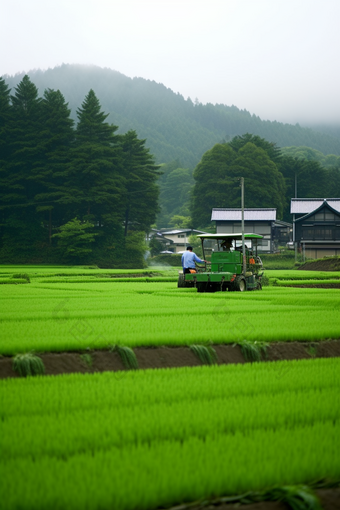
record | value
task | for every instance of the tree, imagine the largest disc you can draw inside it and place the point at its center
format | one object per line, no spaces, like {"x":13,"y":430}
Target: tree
{"x":5,"y":120}
{"x":264,"y":183}
{"x":212,"y":183}
{"x":179,"y":221}
{"x":22,"y":229}
{"x":142,"y":190}
{"x":175,"y":193}
{"x":310,"y":154}
{"x":92,"y":183}
{"x":57,"y":139}
{"x":155,"y":246}
{"x":218,"y":181}
{"x":308,"y":175}
{"x":274,"y":152}
{"x":26,"y":133}
{"x":75,"y":238}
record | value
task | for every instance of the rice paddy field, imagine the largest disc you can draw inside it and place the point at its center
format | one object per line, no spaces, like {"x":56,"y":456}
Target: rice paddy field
{"x":85,"y":309}
{"x":148,"y":439}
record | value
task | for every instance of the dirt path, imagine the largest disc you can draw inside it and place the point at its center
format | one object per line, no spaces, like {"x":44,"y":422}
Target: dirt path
{"x":169,"y":357}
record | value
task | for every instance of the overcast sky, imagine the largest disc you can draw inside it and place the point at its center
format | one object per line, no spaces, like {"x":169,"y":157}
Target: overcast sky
{"x":278,"y":59}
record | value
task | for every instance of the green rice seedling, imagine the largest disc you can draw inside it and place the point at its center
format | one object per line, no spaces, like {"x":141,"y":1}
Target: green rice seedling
{"x":311,"y":349}
{"x":265,"y":281}
{"x":23,"y":276}
{"x":205,"y":353}
{"x":28,"y":364}
{"x":12,"y":281}
{"x":127,"y":356}
{"x":253,"y":351}
{"x":297,"y":497}
{"x":87,"y":359}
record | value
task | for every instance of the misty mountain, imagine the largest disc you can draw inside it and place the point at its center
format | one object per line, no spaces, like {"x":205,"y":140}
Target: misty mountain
{"x":175,"y":128}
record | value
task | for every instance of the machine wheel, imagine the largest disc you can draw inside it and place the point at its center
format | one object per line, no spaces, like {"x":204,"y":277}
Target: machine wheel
{"x":259,"y":286}
{"x":181,"y":281}
{"x":240,"y":284}
{"x":201,"y":287}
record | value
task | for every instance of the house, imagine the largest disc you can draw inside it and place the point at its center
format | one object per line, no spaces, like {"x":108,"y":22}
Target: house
{"x":256,"y":220}
{"x":316,"y":226}
{"x":179,"y":238}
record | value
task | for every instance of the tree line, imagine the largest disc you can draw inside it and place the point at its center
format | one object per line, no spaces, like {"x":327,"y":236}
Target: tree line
{"x":272,"y":177}
{"x":71,"y":193}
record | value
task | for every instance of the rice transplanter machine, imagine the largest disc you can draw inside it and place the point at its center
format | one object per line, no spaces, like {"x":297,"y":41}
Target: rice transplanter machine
{"x":231,"y":267}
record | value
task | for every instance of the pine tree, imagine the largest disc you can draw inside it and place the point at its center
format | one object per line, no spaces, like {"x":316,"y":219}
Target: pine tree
{"x":142,"y":190}
{"x":56,"y":141}
{"x":5,"y":118}
{"x":23,"y":229}
{"x":25,"y":142}
{"x":93,"y":185}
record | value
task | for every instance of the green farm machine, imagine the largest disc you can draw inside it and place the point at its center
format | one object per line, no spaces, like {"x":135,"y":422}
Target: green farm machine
{"x":231,"y":267}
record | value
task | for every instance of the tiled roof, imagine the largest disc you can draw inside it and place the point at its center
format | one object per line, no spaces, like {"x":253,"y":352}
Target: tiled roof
{"x":308,"y":205}
{"x":181,"y":231}
{"x":255,"y":214}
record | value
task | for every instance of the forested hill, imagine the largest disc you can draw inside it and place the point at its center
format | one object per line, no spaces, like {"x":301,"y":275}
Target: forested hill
{"x":175,"y":128}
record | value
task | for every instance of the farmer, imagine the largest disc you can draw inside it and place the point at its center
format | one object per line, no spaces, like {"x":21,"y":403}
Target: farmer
{"x":227,"y":244}
{"x":188,"y":260}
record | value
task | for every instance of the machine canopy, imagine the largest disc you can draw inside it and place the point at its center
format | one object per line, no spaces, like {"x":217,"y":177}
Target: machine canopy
{"x":237,"y":236}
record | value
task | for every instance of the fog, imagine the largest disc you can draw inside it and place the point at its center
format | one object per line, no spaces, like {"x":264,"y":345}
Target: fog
{"x":277,"y":59}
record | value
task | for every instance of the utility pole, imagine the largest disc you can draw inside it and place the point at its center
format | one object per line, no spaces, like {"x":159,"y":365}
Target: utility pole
{"x":294,"y":239}
{"x":244,"y":264}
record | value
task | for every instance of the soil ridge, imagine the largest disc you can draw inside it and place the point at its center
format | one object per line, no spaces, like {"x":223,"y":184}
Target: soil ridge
{"x":170,"y":357}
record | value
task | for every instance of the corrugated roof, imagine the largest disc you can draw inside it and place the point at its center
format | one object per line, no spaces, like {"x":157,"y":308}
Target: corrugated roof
{"x":254,"y":214}
{"x":308,"y":205}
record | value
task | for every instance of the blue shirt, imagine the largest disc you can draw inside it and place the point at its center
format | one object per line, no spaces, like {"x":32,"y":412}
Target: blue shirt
{"x":189,"y":258}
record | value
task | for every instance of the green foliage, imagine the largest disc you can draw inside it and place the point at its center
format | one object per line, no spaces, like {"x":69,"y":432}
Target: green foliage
{"x":205,"y":353}
{"x":141,"y":188}
{"x":253,"y":351}
{"x":311,"y":178}
{"x":178,"y":221}
{"x":52,"y":175}
{"x":28,"y":364}
{"x":274,"y":152}
{"x":196,"y":244}
{"x":310,"y":154}
{"x":135,"y":248}
{"x":155,"y":246}
{"x":167,"y":260}
{"x":127,"y":356}
{"x":217,"y":180}
{"x":175,"y":193}
{"x":75,"y":238}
